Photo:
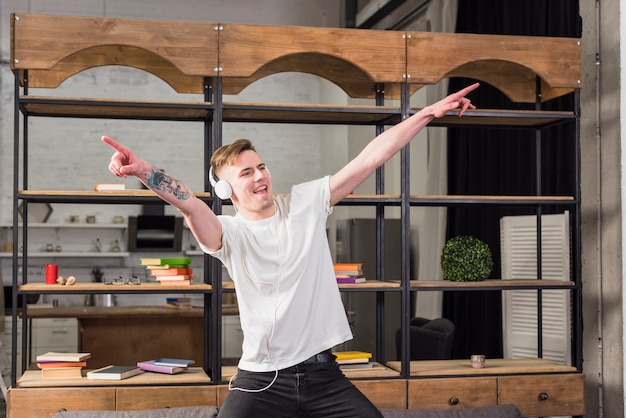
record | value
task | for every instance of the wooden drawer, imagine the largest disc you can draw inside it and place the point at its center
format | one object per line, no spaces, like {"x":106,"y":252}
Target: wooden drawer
{"x":384,"y":393}
{"x":45,"y":402}
{"x":544,"y":395}
{"x":452,"y":393}
{"x":154,"y":397}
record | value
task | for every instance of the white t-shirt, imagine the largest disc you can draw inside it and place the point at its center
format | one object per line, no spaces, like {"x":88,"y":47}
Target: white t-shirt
{"x":289,"y":303}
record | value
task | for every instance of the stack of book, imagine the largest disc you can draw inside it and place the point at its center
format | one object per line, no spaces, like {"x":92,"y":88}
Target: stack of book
{"x":165,"y":365}
{"x":353,"y":359}
{"x":170,"y":271}
{"x":62,"y":365}
{"x":349,"y":273}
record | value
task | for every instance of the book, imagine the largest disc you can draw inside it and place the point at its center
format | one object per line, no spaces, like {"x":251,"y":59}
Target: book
{"x":351,"y":355}
{"x":114,"y":373}
{"x":109,"y":186}
{"x":62,"y":372}
{"x":348,"y":266}
{"x":179,"y":261}
{"x":149,"y":366}
{"x":57,"y":364}
{"x":173,"y":278}
{"x":153,"y":267}
{"x":174,"y":362}
{"x":354,"y":269}
{"x":55,"y":356}
{"x":358,"y":360}
{"x":356,"y":366}
{"x":350,"y":279}
{"x":175,"y":282}
{"x":174,"y":271}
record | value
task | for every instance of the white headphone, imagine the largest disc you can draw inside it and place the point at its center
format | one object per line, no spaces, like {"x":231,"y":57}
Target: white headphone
{"x":222,"y":188}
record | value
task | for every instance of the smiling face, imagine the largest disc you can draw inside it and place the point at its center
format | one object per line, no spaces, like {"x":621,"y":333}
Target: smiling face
{"x":251,"y":184}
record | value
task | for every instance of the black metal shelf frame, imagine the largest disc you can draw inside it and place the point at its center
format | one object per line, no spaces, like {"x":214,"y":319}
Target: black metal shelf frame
{"x":213,"y":113}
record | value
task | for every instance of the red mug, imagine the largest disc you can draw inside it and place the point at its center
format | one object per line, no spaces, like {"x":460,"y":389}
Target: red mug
{"x":52,"y":273}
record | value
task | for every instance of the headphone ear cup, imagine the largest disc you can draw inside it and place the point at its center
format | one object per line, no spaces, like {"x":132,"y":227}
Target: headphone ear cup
{"x":223,"y":190}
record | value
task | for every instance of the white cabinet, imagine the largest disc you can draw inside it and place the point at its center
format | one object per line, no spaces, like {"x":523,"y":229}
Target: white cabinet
{"x":54,"y":334}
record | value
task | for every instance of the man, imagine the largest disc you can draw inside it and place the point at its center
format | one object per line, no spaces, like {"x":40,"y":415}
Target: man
{"x":276,"y":251}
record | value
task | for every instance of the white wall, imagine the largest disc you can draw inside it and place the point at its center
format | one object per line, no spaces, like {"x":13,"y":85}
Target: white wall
{"x":67,"y":153}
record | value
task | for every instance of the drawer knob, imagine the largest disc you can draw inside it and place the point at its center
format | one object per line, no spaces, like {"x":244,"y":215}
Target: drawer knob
{"x":453,"y":400}
{"x":62,"y":410}
{"x":543,"y":396}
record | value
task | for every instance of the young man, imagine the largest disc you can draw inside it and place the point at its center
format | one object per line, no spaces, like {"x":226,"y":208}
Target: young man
{"x":276,"y":251}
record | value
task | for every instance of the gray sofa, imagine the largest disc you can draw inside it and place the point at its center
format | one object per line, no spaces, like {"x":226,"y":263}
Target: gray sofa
{"x":500,"y":411}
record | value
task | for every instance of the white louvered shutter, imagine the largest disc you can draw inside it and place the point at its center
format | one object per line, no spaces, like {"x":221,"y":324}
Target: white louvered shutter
{"x":519,"y":261}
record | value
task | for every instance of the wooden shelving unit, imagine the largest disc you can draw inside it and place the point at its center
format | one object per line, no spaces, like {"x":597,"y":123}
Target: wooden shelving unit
{"x":217,"y":59}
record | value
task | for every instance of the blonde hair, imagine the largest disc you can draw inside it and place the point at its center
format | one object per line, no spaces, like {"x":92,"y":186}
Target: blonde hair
{"x":226,"y":154}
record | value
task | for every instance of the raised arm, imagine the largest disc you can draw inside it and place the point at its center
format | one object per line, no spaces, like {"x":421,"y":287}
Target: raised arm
{"x":385,"y":145}
{"x":201,"y":220}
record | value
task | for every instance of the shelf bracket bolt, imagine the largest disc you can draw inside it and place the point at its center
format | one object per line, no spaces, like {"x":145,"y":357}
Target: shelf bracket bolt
{"x":217,"y":69}
{"x":15,"y":60}
{"x":219,"y":27}
{"x":17,"y":18}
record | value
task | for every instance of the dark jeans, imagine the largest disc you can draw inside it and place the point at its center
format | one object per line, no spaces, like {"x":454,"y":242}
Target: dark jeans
{"x":313,"y":388}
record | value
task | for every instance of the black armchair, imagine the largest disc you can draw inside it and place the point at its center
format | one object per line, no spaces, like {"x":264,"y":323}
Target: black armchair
{"x":430,"y":339}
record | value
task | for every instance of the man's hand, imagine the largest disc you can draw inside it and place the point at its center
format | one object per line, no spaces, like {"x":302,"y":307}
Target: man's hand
{"x":454,"y":101}
{"x":124,"y":162}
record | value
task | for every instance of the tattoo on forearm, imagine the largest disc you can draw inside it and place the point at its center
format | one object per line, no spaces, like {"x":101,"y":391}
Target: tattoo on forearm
{"x":167,"y":184}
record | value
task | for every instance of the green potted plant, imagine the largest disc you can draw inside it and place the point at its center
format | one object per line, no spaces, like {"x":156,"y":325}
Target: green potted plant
{"x":466,"y":259}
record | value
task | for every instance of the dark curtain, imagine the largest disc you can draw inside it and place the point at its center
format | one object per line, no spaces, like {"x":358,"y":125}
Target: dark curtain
{"x":489,"y":161}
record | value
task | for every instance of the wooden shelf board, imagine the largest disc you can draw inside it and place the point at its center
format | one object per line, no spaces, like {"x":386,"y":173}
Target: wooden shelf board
{"x":503,"y":118}
{"x":275,"y":113}
{"x":113,"y":311}
{"x":102,"y":288}
{"x":83,"y":196}
{"x":115,"y":108}
{"x":377,"y":370}
{"x":195,"y":375}
{"x":310,"y":113}
{"x":136,"y":196}
{"x":453,"y":200}
{"x":492,"y":367}
{"x":492,"y":284}
{"x":370,"y":284}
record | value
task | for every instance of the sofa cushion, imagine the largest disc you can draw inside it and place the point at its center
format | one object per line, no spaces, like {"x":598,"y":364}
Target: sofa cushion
{"x":498,"y":411}
{"x":186,"y":411}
